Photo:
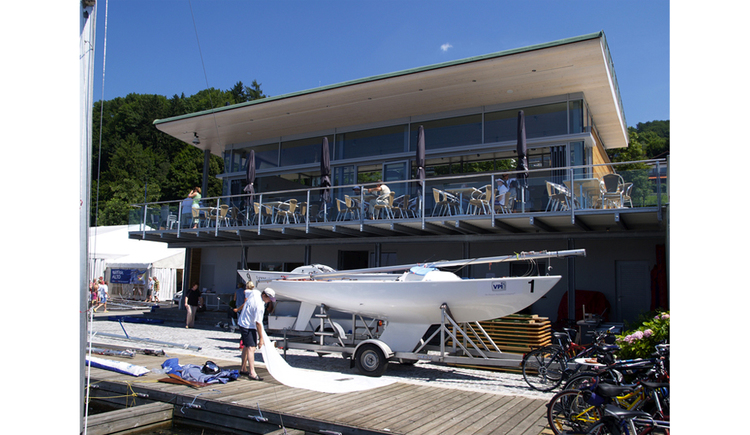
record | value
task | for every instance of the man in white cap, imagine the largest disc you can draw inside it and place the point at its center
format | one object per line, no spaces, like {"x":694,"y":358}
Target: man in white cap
{"x":250,"y":322}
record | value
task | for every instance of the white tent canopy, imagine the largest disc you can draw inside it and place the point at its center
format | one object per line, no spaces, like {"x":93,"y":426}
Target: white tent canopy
{"x":110,"y":248}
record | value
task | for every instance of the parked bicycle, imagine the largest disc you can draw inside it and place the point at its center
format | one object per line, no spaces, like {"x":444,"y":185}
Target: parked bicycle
{"x":619,"y":421}
{"x":578,"y":410}
{"x":547,"y":367}
{"x":625,"y":371}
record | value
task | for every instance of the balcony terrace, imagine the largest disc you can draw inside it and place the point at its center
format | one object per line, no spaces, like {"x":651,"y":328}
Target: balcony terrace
{"x":622,"y":197}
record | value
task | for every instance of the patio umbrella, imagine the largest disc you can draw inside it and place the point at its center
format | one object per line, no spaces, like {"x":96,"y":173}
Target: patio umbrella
{"x":325,"y":175}
{"x":420,"y":157}
{"x":249,"y":182}
{"x":523,"y":161}
{"x":420,"y":164}
{"x":250,"y":174}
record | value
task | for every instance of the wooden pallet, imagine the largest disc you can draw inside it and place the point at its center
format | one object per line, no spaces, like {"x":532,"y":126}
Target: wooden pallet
{"x":519,"y":333}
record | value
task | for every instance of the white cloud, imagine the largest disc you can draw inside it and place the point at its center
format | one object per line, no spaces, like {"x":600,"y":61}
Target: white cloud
{"x":445,"y":47}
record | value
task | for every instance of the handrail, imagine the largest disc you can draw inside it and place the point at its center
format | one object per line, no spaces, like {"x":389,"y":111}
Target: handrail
{"x":414,"y":180}
{"x":440,"y":182}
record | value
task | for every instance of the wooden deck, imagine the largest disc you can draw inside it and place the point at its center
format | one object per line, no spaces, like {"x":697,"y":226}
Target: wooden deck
{"x":398,"y":408}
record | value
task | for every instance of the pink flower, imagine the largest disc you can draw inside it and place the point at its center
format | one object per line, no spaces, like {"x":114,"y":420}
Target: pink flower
{"x":648,"y":333}
{"x":638,"y":335}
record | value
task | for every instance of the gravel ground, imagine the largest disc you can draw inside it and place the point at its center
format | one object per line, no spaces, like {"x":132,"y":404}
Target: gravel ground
{"x":221,"y":344}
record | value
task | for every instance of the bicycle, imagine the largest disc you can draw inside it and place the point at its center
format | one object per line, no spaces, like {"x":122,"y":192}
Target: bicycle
{"x":545,"y":368}
{"x":573,"y":410}
{"x":655,"y":369}
{"x":618,"y":421}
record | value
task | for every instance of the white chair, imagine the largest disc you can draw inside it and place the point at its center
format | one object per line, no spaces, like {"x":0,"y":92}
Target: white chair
{"x":221,"y":216}
{"x":384,"y":207}
{"x":627,"y":190}
{"x":557,"y":197}
{"x":172,"y":221}
{"x":481,"y":200}
{"x":286,"y":211}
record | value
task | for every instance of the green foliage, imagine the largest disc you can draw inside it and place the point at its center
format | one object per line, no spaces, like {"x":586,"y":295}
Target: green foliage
{"x":647,"y":141}
{"x":640,"y":342}
{"x":136,"y":162}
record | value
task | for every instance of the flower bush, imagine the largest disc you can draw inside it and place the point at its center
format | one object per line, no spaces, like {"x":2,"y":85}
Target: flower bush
{"x":639,"y":343}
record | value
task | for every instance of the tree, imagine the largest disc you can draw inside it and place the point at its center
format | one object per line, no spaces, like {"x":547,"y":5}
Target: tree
{"x":133,"y":162}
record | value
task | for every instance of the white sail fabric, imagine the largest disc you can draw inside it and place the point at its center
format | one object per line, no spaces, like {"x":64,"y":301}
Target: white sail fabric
{"x":324,"y":382}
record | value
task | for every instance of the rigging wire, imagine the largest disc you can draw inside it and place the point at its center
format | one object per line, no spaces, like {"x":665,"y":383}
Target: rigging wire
{"x":205,"y":75}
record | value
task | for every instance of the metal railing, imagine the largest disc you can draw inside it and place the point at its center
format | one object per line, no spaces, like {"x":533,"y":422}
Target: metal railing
{"x":573,"y":190}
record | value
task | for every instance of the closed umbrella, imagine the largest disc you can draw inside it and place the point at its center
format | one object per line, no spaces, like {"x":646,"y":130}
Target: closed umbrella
{"x":420,"y":163}
{"x":250,"y":174}
{"x":523,"y":161}
{"x":249,"y":182}
{"x":420,"y":157}
{"x":325,"y":176}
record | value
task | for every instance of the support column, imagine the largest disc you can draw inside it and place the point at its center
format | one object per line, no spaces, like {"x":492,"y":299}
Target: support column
{"x":206,"y":160}
{"x":378,"y":249}
{"x":571,"y":282}
{"x":308,"y":254}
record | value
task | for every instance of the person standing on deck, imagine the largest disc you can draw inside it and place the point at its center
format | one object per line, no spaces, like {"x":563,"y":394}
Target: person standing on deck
{"x":103,"y":294}
{"x":156,"y":289}
{"x":251,"y":326}
{"x":195,"y":195}
{"x":150,"y":290}
{"x":191,"y":305}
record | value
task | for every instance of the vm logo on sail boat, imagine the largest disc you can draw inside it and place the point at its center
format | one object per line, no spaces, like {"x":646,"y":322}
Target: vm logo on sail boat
{"x":498,"y":286}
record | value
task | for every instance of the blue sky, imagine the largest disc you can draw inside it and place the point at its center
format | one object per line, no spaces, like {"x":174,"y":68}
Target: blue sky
{"x":152,"y":47}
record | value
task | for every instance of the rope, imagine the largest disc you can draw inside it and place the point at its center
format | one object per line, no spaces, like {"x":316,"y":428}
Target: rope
{"x":205,"y":75}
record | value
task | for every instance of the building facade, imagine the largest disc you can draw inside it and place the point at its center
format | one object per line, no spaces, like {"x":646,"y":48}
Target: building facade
{"x":469,"y":112}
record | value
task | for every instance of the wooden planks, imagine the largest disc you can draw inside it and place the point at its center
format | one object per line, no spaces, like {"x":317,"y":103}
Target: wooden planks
{"x":399,"y":408}
{"x":130,"y":418}
{"x":518,"y":333}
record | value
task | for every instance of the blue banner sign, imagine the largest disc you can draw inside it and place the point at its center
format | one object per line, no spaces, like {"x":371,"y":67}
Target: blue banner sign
{"x":128,"y":276}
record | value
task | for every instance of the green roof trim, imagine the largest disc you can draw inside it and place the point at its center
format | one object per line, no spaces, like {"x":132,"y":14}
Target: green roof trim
{"x":498,"y":54}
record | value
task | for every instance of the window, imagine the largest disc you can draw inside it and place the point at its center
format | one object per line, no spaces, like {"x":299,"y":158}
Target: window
{"x":266,"y":156}
{"x":450,"y":132}
{"x":547,"y":120}
{"x":373,"y":142}
{"x":303,"y":151}
{"x":576,"y":117}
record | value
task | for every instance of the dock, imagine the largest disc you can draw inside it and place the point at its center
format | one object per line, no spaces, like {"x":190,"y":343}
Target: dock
{"x":245,"y":406}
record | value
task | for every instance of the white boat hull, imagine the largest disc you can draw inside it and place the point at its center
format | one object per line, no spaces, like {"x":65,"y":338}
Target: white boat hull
{"x":411,"y":307}
{"x":419,"y":301}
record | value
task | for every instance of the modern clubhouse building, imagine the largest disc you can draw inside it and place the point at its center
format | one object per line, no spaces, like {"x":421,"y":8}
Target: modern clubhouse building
{"x":469,"y":110}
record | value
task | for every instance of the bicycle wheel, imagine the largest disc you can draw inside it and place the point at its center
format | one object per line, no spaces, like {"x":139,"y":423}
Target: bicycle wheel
{"x":568,"y":411}
{"x":605,"y":427}
{"x":587,"y":379}
{"x":543,"y":368}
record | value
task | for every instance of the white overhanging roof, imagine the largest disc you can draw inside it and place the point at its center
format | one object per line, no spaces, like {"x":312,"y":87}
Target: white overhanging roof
{"x":580,"y":64}
{"x":112,"y":245}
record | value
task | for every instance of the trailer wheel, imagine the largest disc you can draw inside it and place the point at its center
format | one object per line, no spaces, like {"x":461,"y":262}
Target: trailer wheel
{"x":370,"y":360}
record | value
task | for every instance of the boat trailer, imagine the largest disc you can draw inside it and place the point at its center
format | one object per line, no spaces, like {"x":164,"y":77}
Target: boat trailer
{"x":459,"y":343}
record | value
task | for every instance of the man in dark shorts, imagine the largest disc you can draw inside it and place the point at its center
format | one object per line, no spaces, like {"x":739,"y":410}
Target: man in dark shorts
{"x":250,"y":322}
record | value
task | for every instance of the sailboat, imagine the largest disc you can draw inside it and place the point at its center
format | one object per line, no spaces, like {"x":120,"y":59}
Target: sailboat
{"x":411,"y":301}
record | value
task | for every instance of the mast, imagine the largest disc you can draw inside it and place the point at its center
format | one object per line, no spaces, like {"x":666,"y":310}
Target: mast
{"x":87,"y":41}
{"x":521,"y":256}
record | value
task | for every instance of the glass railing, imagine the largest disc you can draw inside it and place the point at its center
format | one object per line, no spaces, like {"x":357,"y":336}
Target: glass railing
{"x":629,"y":185}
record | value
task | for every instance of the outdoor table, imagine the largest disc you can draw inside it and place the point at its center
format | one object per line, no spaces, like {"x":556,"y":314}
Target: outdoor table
{"x":274,"y":205}
{"x":208,"y":214}
{"x":461,"y":192}
{"x":585,"y":188}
